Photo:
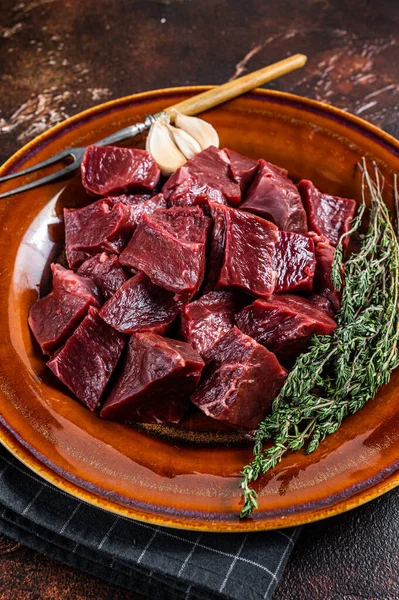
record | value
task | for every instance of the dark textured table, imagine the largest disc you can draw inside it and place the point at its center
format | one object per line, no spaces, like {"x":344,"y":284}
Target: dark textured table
{"x":60,"y":57}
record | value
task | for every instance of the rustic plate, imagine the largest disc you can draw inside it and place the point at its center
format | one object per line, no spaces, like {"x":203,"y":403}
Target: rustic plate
{"x":183,"y":478}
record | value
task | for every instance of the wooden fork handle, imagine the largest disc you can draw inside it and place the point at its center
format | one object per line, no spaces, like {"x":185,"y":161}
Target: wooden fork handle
{"x":232,"y":89}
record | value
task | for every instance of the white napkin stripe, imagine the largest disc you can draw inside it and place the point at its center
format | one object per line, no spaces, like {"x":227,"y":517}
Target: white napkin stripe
{"x":69,"y":519}
{"x":189,"y":555}
{"x":152,"y":538}
{"x":106,"y":536}
{"x":31,"y":503}
{"x":233,"y":562}
{"x":279,"y":565}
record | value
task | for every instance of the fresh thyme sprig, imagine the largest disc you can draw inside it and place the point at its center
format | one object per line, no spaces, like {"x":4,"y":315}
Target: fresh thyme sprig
{"x":340,"y":373}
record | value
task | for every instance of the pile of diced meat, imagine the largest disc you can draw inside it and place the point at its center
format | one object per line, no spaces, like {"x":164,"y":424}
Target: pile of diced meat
{"x":201,"y":292}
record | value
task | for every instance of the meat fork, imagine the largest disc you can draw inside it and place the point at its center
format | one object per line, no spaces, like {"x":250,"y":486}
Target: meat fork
{"x":75,"y":156}
{"x":191,"y":106}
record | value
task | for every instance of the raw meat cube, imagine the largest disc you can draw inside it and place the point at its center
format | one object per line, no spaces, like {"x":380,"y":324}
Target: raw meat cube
{"x":170,"y":247}
{"x":158,"y":377}
{"x":205,"y":178}
{"x":242,"y":252}
{"x":240,"y":381}
{"x":284,"y":324}
{"x":186,"y":222}
{"x":206,"y":320}
{"x":72,"y":227}
{"x":140,"y":205}
{"x":242,"y":168}
{"x":108,"y":170}
{"x":86,"y":361}
{"x":53,"y":318}
{"x":106,"y":272}
{"x":99,"y":227}
{"x":294,"y":262}
{"x":68,"y":282}
{"x":139,"y":305}
{"x":323,"y":284}
{"x":330,"y":216}
{"x":274,"y":197}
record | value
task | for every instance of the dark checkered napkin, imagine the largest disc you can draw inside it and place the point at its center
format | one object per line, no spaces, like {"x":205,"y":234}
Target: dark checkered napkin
{"x":157,"y":562}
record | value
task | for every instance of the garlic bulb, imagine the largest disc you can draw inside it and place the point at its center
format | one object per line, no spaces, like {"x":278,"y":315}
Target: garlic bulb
{"x":204,"y":133}
{"x":171,"y":146}
{"x":161,"y":145}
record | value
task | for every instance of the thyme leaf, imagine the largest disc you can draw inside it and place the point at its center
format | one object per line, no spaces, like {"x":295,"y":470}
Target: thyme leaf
{"x":340,"y":373}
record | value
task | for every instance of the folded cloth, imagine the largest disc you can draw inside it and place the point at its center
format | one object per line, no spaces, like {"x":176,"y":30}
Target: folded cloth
{"x":157,"y":562}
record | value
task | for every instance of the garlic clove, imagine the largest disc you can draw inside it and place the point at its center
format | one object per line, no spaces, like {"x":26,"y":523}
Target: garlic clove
{"x":202,"y":131}
{"x":161,"y":145}
{"x":185,"y":142}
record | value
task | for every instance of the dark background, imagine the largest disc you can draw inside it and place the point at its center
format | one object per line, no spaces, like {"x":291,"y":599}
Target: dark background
{"x":59,"y":57}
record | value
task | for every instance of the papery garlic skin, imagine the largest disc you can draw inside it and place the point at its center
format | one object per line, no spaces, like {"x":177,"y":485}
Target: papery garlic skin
{"x":202,"y":131}
{"x":185,"y":142}
{"x":162,"y":147}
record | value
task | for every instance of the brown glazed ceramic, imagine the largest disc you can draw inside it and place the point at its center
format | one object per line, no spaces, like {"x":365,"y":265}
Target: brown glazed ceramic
{"x":185,"y":477}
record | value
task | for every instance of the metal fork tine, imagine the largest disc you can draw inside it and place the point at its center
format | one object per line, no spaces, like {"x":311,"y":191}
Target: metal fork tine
{"x":45,"y":163}
{"x":42,"y":181}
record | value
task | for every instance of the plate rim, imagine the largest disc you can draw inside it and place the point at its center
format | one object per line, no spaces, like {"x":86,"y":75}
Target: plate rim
{"x":19,"y":451}
{"x":23,"y":454}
